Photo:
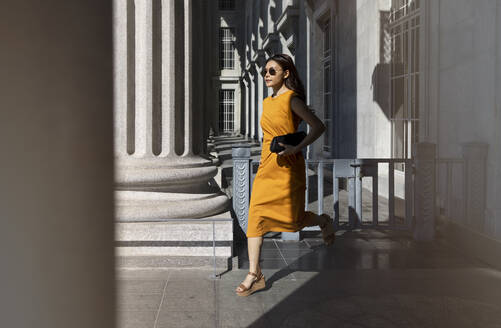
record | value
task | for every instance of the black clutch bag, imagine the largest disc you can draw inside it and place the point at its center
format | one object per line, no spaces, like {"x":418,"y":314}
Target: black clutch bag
{"x":289,"y":139}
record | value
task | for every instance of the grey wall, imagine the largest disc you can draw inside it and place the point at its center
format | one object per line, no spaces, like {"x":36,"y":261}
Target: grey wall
{"x":464,"y":50}
{"x":373,"y":126}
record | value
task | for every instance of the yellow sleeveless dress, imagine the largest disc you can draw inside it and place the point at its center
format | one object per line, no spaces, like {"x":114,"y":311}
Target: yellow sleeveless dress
{"x":278,"y":190}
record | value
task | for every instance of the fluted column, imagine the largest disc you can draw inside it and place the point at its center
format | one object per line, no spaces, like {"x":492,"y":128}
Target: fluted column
{"x":252,"y":103}
{"x":245,"y":83}
{"x":121,"y":75}
{"x":160,"y":177}
{"x":168,"y":74}
{"x":259,"y":64}
{"x":144,"y":78}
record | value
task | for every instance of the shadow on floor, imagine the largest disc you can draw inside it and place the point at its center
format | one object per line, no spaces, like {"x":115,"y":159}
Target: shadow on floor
{"x":374,"y":279}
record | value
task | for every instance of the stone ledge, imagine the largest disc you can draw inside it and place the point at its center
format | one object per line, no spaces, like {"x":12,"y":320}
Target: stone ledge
{"x":175,"y":243}
{"x":196,"y":230}
{"x":199,"y":262}
{"x":173,"y":251}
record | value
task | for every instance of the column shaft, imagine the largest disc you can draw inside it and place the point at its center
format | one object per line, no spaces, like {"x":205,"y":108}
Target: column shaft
{"x":253,"y":106}
{"x":120,"y":59}
{"x":260,"y":92}
{"x":168,"y":78}
{"x":188,"y":82}
{"x":144,"y":77}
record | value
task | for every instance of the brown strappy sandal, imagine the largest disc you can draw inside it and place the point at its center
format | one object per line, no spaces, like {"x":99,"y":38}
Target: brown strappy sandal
{"x":256,"y":285}
{"x":328,"y":233}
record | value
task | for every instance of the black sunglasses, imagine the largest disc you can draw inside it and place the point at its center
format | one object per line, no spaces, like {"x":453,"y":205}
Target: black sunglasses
{"x":271,"y":70}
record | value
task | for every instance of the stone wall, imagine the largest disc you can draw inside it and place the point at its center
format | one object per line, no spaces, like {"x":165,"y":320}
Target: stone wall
{"x":465,"y":58}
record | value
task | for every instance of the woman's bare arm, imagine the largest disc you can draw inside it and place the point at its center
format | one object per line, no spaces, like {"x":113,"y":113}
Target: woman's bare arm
{"x":317,"y":127}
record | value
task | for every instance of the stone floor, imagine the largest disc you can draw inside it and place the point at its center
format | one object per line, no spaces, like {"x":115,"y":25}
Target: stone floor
{"x":366,"y":279}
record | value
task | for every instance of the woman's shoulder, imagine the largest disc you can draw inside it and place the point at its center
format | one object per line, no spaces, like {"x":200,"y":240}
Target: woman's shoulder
{"x":295,"y":99}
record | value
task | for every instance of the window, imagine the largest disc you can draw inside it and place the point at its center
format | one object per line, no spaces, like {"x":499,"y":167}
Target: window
{"x":226,"y":4}
{"x":327,"y":88}
{"x":226,"y":110}
{"x":226,"y":48}
{"x":404,"y":77}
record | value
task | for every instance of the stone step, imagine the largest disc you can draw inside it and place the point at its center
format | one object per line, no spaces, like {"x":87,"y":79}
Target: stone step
{"x":175,"y":243}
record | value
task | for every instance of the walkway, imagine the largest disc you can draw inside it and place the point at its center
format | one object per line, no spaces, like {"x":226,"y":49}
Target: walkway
{"x":366,"y":279}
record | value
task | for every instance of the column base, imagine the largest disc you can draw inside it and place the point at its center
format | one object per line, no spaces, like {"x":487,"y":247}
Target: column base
{"x":174,"y":173}
{"x":140,"y":206}
{"x":175,"y":243}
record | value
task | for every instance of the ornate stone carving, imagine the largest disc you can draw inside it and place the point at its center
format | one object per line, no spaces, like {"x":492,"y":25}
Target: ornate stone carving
{"x":241,"y":183}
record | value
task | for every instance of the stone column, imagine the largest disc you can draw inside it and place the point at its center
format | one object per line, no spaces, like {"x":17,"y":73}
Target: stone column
{"x":475,"y":156}
{"x":248,"y":105}
{"x":245,"y":125}
{"x":56,"y":195}
{"x":252,"y":129}
{"x":260,"y":60}
{"x":159,"y":176}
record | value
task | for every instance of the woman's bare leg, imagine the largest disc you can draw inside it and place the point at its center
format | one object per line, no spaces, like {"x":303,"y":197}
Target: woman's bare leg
{"x":328,"y":232}
{"x":254,"y":248}
{"x":313,"y":219}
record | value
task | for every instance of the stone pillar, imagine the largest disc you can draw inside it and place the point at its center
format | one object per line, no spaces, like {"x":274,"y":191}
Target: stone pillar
{"x":245,"y":131}
{"x":248,"y":110}
{"x":424,"y":155}
{"x":56,"y":195}
{"x":260,"y":60}
{"x":252,"y":129}
{"x":475,"y":156}
{"x":161,"y":177}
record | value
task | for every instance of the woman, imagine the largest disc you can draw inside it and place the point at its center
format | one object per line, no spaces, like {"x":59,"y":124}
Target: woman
{"x":277,"y":199}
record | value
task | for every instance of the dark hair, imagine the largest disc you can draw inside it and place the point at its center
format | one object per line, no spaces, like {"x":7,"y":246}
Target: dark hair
{"x":292,"y":82}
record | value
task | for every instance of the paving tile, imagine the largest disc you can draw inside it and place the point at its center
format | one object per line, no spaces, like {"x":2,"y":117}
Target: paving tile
{"x":314,"y":243}
{"x":189,"y":296}
{"x":296,"y":253}
{"x":186,"y":319}
{"x":138,"y":302}
{"x":135,"y":286}
{"x":292,"y":245}
{"x":265,"y":264}
{"x":266,"y":253}
{"x":366,"y":279}
{"x":302,"y":274}
{"x":243,"y":318}
{"x":228,"y":301}
{"x":278,"y":316}
{"x":191,"y":275}
{"x":136,"y":319}
{"x":143,"y":274}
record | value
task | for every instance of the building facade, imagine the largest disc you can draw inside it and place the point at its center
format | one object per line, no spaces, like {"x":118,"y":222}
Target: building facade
{"x":383,"y":76}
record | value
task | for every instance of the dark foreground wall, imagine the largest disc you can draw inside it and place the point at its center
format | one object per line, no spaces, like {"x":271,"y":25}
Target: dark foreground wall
{"x":56,"y":171}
